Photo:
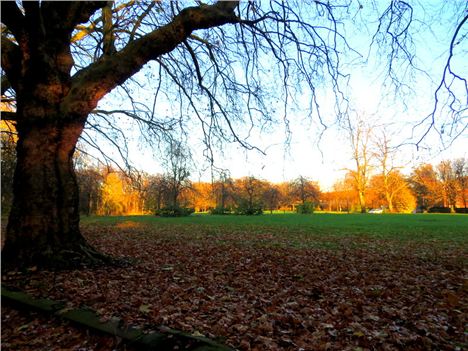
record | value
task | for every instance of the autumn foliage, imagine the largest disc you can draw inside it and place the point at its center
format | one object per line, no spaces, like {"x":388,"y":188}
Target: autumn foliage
{"x":106,"y":191}
{"x":110,"y":192}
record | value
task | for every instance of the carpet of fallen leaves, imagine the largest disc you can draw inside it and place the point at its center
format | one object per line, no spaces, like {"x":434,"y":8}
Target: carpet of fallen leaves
{"x":22,"y":330}
{"x":258,"y":292}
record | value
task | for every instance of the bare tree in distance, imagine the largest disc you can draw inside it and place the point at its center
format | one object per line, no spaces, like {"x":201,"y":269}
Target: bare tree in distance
{"x":271,"y":197}
{"x":360,"y":134}
{"x":460,"y":169}
{"x":177,"y":163}
{"x":205,"y":62}
{"x":426,"y":187}
{"x":249,"y":195}
{"x":385,"y":155}
{"x":223,"y":191}
{"x":448,"y":182}
{"x":303,"y":190}
{"x":154,"y":190}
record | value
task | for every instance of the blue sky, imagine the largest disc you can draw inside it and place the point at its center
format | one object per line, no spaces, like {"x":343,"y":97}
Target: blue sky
{"x":324,"y":154}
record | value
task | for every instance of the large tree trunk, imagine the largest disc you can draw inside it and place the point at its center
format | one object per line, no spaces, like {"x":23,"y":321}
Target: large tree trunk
{"x":43,"y":227}
{"x":388,"y":195}
{"x":362,"y":201}
{"x":389,"y":198}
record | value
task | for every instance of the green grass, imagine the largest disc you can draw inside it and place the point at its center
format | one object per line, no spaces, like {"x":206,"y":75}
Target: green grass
{"x":302,"y":228}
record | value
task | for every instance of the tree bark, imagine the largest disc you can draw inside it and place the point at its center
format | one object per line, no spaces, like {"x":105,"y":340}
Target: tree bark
{"x":43,"y":227}
{"x":388,"y":193}
{"x":362,"y":201}
{"x":389,"y":201}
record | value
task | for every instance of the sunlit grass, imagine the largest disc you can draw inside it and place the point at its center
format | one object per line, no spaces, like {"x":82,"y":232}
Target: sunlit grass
{"x":300,"y":228}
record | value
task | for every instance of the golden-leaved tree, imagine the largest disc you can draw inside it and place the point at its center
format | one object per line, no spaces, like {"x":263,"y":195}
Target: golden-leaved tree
{"x":119,"y":197}
{"x":391,"y":191}
{"x":202,"y":198}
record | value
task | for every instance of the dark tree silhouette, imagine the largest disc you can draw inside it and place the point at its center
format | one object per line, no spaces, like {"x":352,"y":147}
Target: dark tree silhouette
{"x":177,"y":164}
{"x":304,"y":190}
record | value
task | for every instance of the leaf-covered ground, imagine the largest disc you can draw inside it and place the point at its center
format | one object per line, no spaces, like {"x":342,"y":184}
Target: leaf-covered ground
{"x":23,"y":330}
{"x":259,"y":287}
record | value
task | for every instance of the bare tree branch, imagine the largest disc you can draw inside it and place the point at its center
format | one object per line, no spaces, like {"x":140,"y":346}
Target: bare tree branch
{"x":449,"y":77}
{"x":108,"y":35}
{"x":92,"y":83}
{"x":5,"y":84}
{"x":11,"y":59}
{"x":12,"y":17}
{"x":8,"y":116}
{"x":67,"y":14}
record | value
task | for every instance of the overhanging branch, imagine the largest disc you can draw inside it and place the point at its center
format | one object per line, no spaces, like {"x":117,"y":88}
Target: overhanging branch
{"x":5,"y":84}
{"x":92,"y":83}
{"x":12,"y":17}
{"x":8,"y":116}
{"x":444,"y":83}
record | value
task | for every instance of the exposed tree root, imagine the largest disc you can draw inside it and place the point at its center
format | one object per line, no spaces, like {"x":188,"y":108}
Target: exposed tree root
{"x":76,"y":256}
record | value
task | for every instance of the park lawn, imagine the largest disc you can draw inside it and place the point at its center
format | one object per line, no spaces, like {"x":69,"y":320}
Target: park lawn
{"x":278,"y":282}
{"x":307,"y":230}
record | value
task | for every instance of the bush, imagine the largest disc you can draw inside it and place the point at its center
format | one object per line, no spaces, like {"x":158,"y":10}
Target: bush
{"x":305,"y":208}
{"x":174,"y":211}
{"x":249,"y":210}
{"x":461,"y":210}
{"x":439,"y":209}
{"x":220,"y":211}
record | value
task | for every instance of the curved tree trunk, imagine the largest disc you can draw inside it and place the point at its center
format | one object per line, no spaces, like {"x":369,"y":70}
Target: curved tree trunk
{"x":389,"y":198}
{"x":362,"y":201}
{"x":43,"y":227}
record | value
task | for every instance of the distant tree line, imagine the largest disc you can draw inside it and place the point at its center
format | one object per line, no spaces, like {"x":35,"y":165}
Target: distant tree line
{"x":375,"y":179}
{"x":440,"y":188}
{"x":107,"y":191}
{"x":111,"y":192}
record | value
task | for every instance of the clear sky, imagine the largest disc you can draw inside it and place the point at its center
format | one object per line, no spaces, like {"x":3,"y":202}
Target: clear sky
{"x":324,"y":154}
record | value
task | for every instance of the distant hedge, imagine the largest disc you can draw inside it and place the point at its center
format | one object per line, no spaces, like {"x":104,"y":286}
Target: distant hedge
{"x":171,"y":211}
{"x":248,"y":209}
{"x":439,"y":209}
{"x":220,"y":211}
{"x":461,"y":210}
{"x":305,"y":208}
